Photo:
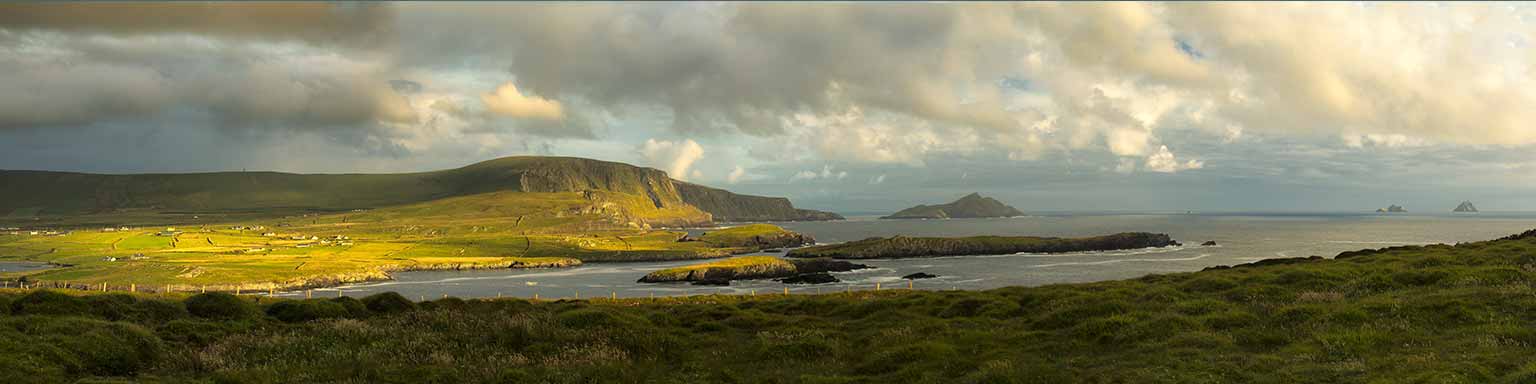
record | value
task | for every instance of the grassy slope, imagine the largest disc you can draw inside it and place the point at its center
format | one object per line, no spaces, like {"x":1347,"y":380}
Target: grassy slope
{"x":32,"y":198}
{"x":905,"y":246}
{"x":1437,"y":314}
{"x":492,"y":230}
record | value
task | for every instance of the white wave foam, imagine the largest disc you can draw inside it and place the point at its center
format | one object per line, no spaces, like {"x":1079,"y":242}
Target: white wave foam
{"x":1201,"y":256}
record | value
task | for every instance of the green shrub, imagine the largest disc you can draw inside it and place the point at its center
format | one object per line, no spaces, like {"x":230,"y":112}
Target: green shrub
{"x":388,"y":302}
{"x":1208,"y":284}
{"x":197,"y":331}
{"x":295,"y":311}
{"x":981,"y":306}
{"x":218,"y":305}
{"x":1229,"y":319}
{"x":594,"y":318}
{"x":47,"y":302}
{"x":93,"y":346}
{"x":355,"y":308}
{"x":5,"y":304}
{"x":155,"y":311}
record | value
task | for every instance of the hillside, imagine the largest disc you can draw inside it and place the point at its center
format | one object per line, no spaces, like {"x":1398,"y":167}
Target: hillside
{"x":1417,"y":314}
{"x":38,"y":193}
{"x":970,"y":206}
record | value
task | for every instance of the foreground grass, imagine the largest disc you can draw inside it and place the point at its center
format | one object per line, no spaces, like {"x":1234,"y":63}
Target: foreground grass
{"x":1436,"y":314}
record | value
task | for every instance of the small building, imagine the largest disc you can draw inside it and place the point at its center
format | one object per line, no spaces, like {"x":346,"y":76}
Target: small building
{"x":109,"y":259}
{"x":269,"y":234}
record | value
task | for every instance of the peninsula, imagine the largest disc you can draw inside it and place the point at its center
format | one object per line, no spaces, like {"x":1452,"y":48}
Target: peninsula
{"x":906,"y":247}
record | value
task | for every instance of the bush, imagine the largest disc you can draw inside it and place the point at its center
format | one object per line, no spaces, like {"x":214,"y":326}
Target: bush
{"x":46,"y":302}
{"x":218,"y":305}
{"x":93,"y":346}
{"x":306,"y":310}
{"x":594,"y":318}
{"x":197,"y":332}
{"x":388,"y":302}
{"x":5,"y":304}
{"x":355,"y":309}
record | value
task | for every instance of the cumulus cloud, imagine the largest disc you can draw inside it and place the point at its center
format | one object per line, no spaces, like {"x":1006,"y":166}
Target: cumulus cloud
{"x":877,"y":179}
{"x":735,"y":175}
{"x":1163,"y":161}
{"x":507,"y":101}
{"x":827,"y":173}
{"x":675,"y":157}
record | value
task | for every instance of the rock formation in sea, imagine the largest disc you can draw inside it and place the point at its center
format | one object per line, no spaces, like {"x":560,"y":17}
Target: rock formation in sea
{"x":1465,"y":207}
{"x":970,"y":206}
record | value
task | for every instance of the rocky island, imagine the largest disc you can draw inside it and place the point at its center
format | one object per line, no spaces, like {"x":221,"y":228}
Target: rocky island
{"x":1465,"y":207}
{"x":973,"y":205}
{"x":722,"y":272}
{"x":905,"y":247}
{"x":1391,"y":209}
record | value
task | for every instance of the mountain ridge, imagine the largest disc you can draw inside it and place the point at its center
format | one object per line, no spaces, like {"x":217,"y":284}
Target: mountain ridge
{"x":61,"y":193}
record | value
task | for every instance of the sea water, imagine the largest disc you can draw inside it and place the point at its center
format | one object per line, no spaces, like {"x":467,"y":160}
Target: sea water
{"x":1240,"y":238}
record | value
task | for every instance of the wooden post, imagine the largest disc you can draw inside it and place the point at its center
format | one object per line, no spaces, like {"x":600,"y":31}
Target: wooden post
{"x":850,"y":288}
{"x":445,"y":295}
{"x":786,"y":291}
{"x":340,"y":293}
{"x":309,"y":294}
{"x":653,"y":295}
{"x":202,"y":289}
{"x":103,"y":287}
{"x":535,"y":296}
{"x":754,"y":293}
{"x":613,"y":295}
{"x":237,"y":290}
{"x":133,"y":287}
{"x":578,"y":294}
{"x":498,"y":294}
{"x":877,"y":286}
{"x":421,"y":298}
{"x":909,"y":285}
{"x":167,"y":289}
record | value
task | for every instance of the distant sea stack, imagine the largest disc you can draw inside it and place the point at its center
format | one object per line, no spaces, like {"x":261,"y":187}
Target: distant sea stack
{"x":1465,"y":207}
{"x":1391,"y":209}
{"x":971,"y":206}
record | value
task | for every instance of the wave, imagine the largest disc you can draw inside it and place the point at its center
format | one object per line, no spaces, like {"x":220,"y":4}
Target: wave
{"x":1201,"y":256}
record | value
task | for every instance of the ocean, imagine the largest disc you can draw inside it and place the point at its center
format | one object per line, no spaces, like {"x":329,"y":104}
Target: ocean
{"x":1240,"y":238}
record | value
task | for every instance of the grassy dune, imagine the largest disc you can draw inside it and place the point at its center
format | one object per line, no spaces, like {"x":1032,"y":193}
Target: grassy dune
{"x":749,"y":267}
{"x":903,"y":246}
{"x":492,"y":230}
{"x":1433,"y":314}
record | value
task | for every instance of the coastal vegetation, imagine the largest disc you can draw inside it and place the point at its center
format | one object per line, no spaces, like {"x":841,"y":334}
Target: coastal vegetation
{"x":904,"y":246}
{"x":1438,"y":313}
{"x":491,"y":230}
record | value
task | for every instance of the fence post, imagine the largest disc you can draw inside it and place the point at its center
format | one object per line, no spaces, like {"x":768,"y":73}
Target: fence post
{"x":309,"y":293}
{"x":535,"y":296}
{"x":786,"y":291}
{"x":754,"y":293}
{"x":909,"y":285}
{"x":133,"y":288}
{"x":498,"y":294}
{"x":613,"y":295}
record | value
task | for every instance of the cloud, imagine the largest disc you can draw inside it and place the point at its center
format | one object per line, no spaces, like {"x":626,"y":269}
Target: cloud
{"x":827,"y":173}
{"x":802,"y":175}
{"x":507,"y":101}
{"x":1163,"y":161}
{"x":735,"y":175}
{"x":674,"y":157}
{"x":877,"y":179}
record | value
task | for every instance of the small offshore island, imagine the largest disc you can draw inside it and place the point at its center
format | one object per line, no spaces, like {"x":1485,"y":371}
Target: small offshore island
{"x":973,"y":205}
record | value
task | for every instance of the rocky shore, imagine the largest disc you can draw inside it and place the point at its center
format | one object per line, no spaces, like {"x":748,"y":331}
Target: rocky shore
{"x":722,"y":272}
{"x":905,"y":247}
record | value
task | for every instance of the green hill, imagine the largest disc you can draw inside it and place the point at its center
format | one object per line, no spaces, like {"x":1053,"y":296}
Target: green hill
{"x":970,"y":206}
{"x":39,"y":193}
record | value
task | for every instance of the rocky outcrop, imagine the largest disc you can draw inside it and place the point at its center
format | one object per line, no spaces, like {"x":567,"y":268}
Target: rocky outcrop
{"x":733,"y":207}
{"x":904,"y":247}
{"x":809,"y":278}
{"x":748,"y":268}
{"x":1391,"y":209}
{"x":1465,"y":207}
{"x":920,"y":275}
{"x":1208,"y":243}
{"x":970,"y":206}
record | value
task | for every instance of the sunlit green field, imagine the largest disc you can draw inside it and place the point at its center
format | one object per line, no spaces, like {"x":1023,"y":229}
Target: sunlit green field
{"x":495,"y":230}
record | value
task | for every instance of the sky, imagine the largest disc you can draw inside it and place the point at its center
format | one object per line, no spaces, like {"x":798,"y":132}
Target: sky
{"x":849,"y":107}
